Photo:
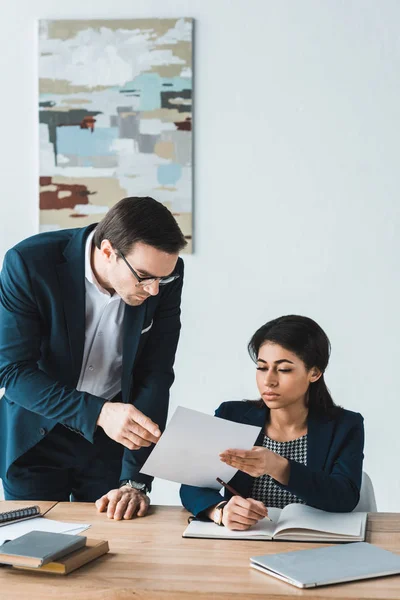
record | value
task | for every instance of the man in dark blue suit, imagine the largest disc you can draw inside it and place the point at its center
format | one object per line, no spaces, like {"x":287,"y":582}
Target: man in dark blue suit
{"x":89,"y":326}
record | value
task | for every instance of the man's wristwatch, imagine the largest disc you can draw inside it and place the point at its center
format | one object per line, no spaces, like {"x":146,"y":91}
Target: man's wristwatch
{"x":218,"y":513}
{"x":135,"y":485}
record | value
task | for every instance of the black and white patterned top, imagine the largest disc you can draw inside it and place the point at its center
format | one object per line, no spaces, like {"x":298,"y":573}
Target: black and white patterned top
{"x":265,"y":488}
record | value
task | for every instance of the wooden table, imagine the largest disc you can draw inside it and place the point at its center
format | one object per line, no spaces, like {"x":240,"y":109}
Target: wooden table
{"x":149,"y":559}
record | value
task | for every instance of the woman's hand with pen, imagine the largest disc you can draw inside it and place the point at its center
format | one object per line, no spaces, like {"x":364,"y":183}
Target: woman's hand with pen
{"x":241,"y":513}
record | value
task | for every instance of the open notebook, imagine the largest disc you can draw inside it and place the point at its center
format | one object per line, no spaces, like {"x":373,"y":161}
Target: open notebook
{"x":295,"y":522}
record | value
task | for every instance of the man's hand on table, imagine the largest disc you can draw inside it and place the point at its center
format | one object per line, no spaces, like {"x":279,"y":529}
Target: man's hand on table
{"x":124,"y":503}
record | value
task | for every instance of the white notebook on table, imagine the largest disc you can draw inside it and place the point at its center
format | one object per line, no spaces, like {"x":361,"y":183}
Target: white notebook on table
{"x":295,"y":522}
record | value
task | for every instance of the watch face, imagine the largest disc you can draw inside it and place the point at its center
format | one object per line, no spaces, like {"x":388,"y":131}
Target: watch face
{"x":218,"y":516}
{"x":141,"y":487}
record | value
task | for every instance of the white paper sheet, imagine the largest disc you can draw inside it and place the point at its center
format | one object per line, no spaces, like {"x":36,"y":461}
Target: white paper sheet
{"x":188,"y":451}
{"x":14,"y":530}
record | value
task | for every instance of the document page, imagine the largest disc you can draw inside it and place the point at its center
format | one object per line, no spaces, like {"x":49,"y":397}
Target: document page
{"x":188,"y":451}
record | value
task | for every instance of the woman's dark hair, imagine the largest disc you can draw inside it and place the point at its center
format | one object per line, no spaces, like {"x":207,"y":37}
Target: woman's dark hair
{"x":140,"y":219}
{"x":305,"y":338}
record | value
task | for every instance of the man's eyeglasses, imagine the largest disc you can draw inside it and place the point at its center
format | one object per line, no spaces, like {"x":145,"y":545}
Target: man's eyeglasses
{"x":143,"y":281}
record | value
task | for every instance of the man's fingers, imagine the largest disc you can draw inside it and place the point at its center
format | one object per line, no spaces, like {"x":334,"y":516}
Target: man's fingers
{"x":138,"y":436}
{"x":152,"y":430}
{"x":112,"y":505}
{"x":144,"y":507}
{"x":123,"y":503}
{"x":121,"y":507}
{"x":142,"y":433}
{"x":121,"y":420}
{"x":132,"y":441}
{"x":101,"y":503}
{"x":131,"y":508}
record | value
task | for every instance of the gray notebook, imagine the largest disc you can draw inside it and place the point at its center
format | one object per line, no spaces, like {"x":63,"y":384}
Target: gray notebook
{"x":333,"y":564}
{"x":37,"y":548}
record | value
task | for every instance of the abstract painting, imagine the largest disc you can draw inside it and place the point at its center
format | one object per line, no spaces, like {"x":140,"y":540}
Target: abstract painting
{"x":115,"y":118}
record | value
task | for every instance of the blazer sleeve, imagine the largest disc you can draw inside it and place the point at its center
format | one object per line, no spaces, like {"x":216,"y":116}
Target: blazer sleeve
{"x":198,"y":499}
{"x":339,"y":489}
{"x":153,"y":373}
{"x":20,"y":352}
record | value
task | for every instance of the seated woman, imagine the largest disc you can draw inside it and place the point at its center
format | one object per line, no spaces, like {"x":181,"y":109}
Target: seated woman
{"x":309,"y":450}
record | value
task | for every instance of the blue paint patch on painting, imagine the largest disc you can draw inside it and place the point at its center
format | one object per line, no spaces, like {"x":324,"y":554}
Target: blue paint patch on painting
{"x":150,"y":85}
{"x":169,"y":174}
{"x":176,"y":84}
{"x":82,"y":142}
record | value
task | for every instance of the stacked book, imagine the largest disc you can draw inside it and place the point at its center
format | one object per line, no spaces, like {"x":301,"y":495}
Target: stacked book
{"x":45,"y":551}
{"x":50,"y":552}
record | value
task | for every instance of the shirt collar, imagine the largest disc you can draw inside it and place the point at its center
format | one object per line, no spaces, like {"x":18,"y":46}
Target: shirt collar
{"x":89,"y":275}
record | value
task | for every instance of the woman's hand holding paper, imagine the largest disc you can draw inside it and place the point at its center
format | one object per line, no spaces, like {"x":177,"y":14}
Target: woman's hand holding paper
{"x":258,"y":461}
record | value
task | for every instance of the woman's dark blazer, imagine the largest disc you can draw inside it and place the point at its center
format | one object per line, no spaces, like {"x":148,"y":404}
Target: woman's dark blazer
{"x":331,"y":479}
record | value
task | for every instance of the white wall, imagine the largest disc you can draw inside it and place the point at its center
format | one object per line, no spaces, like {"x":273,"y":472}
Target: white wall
{"x":297,"y":176}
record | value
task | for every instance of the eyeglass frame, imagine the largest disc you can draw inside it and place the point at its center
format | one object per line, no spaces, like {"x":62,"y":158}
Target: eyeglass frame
{"x":143,"y":281}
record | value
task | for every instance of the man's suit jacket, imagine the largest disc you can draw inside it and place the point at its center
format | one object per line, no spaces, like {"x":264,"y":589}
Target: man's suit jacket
{"x":42,"y":336}
{"x":331,"y":479}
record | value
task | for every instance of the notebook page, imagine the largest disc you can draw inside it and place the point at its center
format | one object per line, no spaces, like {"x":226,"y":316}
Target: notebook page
{"x":14,"y":530}
{"x":299,"y":517}
{"x":274,"y":513}
{"x":208,"y":529}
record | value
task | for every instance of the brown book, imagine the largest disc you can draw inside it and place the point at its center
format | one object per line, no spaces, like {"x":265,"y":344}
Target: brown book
{"x":74,"y":560}
{"x":37,"y":548}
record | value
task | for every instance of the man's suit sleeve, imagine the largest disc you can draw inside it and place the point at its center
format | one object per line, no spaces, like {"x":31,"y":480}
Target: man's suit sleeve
{"x":153,"y":373}
{"x":20,"y":352}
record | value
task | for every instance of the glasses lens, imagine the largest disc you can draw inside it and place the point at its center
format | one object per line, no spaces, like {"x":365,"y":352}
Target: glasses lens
{"x":146,"y":282}
{"x":161,"y":281}
{"x":165,"y":280}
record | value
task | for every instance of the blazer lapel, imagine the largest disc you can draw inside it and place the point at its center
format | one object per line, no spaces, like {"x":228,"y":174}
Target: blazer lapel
{"x":319,"y":438}
{"x":134,"y":317}
{"x":71,"y":274}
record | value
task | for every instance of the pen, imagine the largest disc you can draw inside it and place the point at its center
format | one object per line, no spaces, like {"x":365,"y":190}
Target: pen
{"x":234,"y":492}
